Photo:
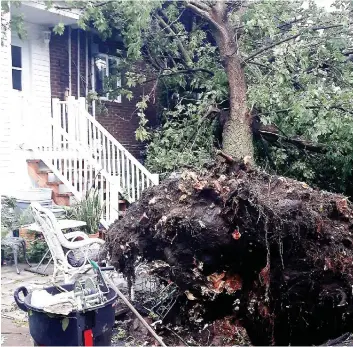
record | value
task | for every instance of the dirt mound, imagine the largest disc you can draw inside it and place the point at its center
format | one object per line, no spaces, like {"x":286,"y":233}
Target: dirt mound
{"x":271,"y":252}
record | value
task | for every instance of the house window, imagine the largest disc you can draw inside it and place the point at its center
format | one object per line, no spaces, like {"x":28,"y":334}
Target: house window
{"x":16,"y":56}
{"x":106,"y":66}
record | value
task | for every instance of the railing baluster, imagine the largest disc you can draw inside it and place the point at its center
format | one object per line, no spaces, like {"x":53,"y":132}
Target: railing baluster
{"x":138,"y":183}
{"x":133,"y":181}
{"x":143,"y":181}
{"x":80,"y":175}
{"x":114,"y":161}
{"x":123,"y":180}
{"x":60,"y":166}
{"x":99,"y":144}
{"x":101,"y":188}
{"x":91,"y":138}
{"x":64,"y":166}
{"x":118,"y":158}
{"x":107,"y":200}
{"x":64,"y":115}
{"x":128,"y":177}
{"x":109,"y":157}
{"x":104,"y":152}
{"x":70,"y":178}
{"x":56,"y":112}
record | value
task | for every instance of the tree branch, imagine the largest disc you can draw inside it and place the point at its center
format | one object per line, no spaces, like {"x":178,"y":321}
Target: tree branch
{"x":203,"y":11}
{"x":252,"y":56}
{"x":227,"y":157}
{"x":181,"y":47}
{"x":186,"y":71}
{"x":259,"y":64}
{"x":202,"y":6}
{"x":312,"y":147}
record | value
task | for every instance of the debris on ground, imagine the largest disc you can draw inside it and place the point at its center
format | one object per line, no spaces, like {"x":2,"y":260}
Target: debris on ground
{"x":249,"y":250}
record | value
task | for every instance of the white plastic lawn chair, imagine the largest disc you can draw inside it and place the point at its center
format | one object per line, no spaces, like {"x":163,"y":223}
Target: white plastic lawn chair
{"x":58,"y":242}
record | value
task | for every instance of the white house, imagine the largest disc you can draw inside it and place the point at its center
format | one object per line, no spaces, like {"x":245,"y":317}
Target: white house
{"x":50,"y":135}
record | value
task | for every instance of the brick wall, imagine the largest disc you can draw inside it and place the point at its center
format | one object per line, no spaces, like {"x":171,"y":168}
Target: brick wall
{"x":121,"y":120}
{"x":59,"y":64}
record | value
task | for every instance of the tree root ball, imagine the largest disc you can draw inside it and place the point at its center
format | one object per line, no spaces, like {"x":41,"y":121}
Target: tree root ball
{"x":271,"y":252}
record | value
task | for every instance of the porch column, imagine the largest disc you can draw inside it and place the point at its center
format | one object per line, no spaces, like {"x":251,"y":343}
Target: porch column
{"x":72,"y":118}
{"x":82,"y":122}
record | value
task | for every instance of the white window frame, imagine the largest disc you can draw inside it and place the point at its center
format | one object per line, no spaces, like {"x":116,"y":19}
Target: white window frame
{"x":106,"y":57}
{"x":17,"y":68}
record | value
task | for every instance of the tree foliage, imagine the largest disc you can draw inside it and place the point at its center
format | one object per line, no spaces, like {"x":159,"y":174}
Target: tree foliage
{"x":15,"y":22}
{"x":298,"y":63}
{"x":299,"y":71}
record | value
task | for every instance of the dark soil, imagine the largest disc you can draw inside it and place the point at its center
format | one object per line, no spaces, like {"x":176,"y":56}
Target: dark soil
{"x":265,"y":252}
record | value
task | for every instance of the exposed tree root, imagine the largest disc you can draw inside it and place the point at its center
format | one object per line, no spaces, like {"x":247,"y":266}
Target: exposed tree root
{"x":271,"y":253}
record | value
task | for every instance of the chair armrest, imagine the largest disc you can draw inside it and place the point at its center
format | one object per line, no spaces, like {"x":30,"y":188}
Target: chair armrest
{"x":83,"y":243}
{"x":74,"y":234}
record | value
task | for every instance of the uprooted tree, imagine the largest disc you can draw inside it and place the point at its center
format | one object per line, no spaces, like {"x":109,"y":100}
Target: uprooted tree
{"x":225,"y":73}
{"x":262,"y":251}
{"x":245,"y":249}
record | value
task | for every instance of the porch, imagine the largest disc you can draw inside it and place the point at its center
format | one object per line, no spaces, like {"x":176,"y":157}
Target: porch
{"x":46,"y":123}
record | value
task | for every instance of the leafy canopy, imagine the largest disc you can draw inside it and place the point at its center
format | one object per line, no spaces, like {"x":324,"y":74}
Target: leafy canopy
{"x":299,"y":69}
{"x":298,"y":61}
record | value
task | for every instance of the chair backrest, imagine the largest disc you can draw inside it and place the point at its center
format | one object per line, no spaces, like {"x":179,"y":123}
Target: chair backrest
{"x":51,"y":231}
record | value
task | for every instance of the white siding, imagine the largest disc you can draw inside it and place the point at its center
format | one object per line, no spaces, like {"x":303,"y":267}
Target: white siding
{"x":24,"y":115}
{"x":6,"y":147}
{"x":40,"y":82}
{"x":40,"y":69}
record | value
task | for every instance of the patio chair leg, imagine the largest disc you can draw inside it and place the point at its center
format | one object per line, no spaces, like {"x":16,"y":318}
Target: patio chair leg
{"x":49,"y":261}
{"x":41,"y":261}
{"x":55,"y":273}
{"x":15,"y":254}
{"x":25,"y":253}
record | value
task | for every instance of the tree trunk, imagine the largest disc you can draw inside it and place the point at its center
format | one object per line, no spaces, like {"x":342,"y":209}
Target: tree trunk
{"x":237,"y":136}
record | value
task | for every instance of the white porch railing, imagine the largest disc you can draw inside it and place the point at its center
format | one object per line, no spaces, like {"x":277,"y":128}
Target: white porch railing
{"x":102,"y":148}
{"x":80,"y":152}
{"x":72,"y":164}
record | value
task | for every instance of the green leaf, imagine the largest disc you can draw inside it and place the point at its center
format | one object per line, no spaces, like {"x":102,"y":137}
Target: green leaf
{"x":59,"y":28}
{"x":65,"y":323}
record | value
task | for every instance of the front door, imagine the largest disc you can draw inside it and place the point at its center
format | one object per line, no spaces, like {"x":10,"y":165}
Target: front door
{"x":20,"y":74}
{"x":30,"y":73}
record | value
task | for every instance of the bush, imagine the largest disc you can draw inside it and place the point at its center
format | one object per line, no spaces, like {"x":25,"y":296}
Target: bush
{"x":89,"y":210}
{"x":37,"y":250}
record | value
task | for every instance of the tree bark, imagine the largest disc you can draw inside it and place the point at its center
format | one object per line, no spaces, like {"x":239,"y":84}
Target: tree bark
{"x":237,"y":135}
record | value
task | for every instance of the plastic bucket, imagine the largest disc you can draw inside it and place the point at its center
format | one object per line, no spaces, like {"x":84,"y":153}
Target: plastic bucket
{"x":89,"y":328}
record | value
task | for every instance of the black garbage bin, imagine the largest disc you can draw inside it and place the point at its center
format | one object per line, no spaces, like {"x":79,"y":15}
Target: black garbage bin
{"x":89,"y":328}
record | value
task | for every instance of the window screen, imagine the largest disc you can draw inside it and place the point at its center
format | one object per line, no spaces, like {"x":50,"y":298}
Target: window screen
{"x":105,"y":66}
{"x":16,"y":56}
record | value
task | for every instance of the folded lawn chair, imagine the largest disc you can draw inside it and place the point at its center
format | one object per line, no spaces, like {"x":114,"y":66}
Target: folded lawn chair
{"x":71,"y":251}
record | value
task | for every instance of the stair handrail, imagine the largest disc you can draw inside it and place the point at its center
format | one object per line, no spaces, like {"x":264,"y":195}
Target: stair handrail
{"x":75,"y":145}
{"x":90,"y":118}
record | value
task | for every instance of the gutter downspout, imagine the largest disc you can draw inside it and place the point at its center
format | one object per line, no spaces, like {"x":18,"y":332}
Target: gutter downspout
{"x":86,"y":61}
{"x":69,"y":44}
{"x":78,"y":63}
{"x":93,"y":82}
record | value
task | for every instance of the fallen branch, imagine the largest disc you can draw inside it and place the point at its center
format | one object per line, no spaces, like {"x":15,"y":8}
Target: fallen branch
{"x":310,"y":146}
{"x":227,"y":157}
